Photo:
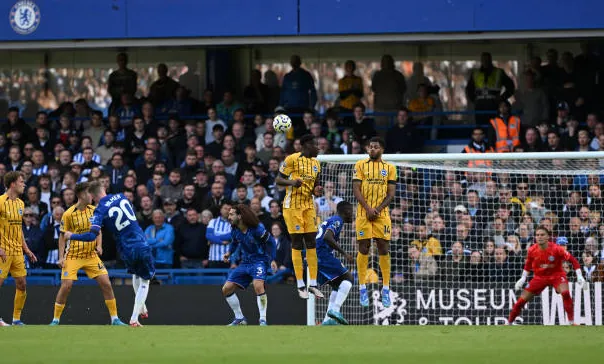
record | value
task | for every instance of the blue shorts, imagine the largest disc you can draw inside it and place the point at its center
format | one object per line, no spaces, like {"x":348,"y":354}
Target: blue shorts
{"x":245,"y":273}
{"x":139,"y":261}
{"x":330,"y":268}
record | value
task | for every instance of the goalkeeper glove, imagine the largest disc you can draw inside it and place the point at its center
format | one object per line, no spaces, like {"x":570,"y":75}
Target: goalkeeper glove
{"x":580,"y":280}
{"x":520,"y":283}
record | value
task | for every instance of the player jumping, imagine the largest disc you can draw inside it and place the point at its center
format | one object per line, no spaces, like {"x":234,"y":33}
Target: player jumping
{"x":545,"y":260}
{"x":299,"y":173}
{"x":257,"y":249}
{"x":82,"y":255}
{"x":12,"y":242}
{"x":331,"y":269}
{"x":374,"y":186}
{"x":117,"y":212}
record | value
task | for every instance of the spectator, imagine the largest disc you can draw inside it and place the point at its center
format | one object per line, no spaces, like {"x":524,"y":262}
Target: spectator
{"x":583,"y":141}
{"x":160,"y":236}
{"x":266,"y":152}
{"x":423,"y":265}
{"x":33,"y":235}
{"x":532,"y":142}
{"x":127,"y":110}
{"x":274,"y":215}
{"x":326,"y":204}
{"x":164,"y":88}
{"x":34,"y":204}
{"x":504,"y":134}
{"x":189,"y":200}
{"x":350,"y":88}
{"x":227,"y":107}
{"x":173,"y":190}
{"x":283,"y":256}
{"x":259,"y":192}
{"x":51,"y":238}
{"x":403,"y":137}
{"x":210,"y":123}
{"x":454,"y":267}
{"x":417,"y":78}
{"x":16,"y":124}
{"x":248,"y":179}
{"x":501,"y":270}
{"x":172,"y":215}
{"x":554,"y":143}
{"x":105,"y":150}
{"x":425,"y":243}
{"x":363,"y":128}
{"x":144,"y":215}
{"x":423,"y":103}
{"x":256,"y":95}
{"x":389,"y":88}
{"x":215,"y":199}
{"x":531,"y":101}
{"x":122,"y":80}
{"x":298,"y":92}
{"x":43,"y":142}
{"x":191,"y":242}
{"x":240,"y":195}
{"x":217,"y":229}
{"x":189,"y":167}
{"x":487,"y":87}
{"x":598,"y":131}
{"x":256,"y":207}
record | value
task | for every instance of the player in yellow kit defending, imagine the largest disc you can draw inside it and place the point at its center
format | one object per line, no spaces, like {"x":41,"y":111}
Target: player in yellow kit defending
{"x":76,"y":255}
{"x":299,"y":173}
{"x":12,"y":242}
{"x":374,"y":186}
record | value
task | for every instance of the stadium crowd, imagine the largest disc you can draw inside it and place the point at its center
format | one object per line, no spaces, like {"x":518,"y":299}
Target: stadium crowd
{"x":182,"y":174}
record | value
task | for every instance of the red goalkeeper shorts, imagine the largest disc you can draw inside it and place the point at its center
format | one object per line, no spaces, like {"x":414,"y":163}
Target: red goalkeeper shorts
{"x":539,"y":283}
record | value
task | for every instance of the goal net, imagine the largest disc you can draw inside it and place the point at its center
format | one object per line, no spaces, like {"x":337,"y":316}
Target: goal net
{"x":461,"y":227}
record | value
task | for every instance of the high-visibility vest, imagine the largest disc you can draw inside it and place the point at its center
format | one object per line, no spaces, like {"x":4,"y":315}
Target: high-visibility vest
{"x":487,"y":88}
{"x":507,"y":136}
{"x":479,"y":163}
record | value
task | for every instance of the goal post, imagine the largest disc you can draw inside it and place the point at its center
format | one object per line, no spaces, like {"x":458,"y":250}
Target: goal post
{"x":461,"y":226}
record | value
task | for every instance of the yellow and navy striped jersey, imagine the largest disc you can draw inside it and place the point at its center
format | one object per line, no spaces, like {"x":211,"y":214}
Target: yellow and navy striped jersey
{"x":78,"y":221}
{"x":296,"y":166}
{"x":375,"y":176}
{"x":11,"y":225}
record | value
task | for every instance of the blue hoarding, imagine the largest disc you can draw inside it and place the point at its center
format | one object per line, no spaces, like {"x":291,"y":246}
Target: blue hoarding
{"x":27,"y":20}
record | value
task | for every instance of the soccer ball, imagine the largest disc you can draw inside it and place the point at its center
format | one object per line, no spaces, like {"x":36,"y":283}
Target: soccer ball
{"x":282,"y":123}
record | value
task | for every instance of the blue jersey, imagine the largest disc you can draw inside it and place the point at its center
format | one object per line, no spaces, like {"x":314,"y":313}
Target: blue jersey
{"x":255,"y":245}
{"x":335,"y":224}
{"x":116,"y":213}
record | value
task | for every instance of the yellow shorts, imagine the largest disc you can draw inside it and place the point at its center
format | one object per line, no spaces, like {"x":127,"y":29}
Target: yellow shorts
{"x":15,"y":265}
{"x":300,"y":221}
{"x":93,"y":267}
{"x":379,"y":228}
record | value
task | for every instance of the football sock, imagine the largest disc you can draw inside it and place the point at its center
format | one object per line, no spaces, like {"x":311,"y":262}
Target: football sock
{"x":112,"y":308}
{"x":140,"y":298}
{"x":332,"y":300}
{"x":233,"y":301}
{"x":341,"y":295}
{"x":311,"y":259}
{"x":568,"y":306}
{"x":262,"y":301}
{"x":136,"y":281}
{"x":58,"y":311}
{"x":298,"y":267}
{"x":20,"y":297}
{"x":516,"y":310}
{"x":385,"y":268}
{"x":362,"y":263}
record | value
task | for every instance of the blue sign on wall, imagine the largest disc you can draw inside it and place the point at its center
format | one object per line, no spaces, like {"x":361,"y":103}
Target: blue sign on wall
{"x":118,"y":19}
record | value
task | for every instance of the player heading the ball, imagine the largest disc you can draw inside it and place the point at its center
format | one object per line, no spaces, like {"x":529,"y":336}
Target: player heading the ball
{"x":374,"y":186}
{"x":545,"y":259}
{"x":300,"y":174}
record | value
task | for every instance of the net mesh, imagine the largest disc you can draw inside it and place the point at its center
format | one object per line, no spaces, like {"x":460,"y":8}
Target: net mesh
{"x":460,"y":233}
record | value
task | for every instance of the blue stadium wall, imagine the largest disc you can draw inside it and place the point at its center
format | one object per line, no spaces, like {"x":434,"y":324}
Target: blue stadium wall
{"x":118,"y":19}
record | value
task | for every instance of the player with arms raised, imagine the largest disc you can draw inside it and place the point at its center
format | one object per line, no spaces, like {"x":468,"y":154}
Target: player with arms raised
{"x":82,"y":255}
{"x":331,"y":269}
{"x":117,"y":213}
{"x":374,"y":186}
{"x":299,"y":173}
{"x":12,"y":242}
{"x":258,"y":249}
{"x":545,"y":260}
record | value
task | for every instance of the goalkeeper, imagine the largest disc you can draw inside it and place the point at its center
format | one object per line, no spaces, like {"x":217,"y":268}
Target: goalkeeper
{"x":545,"y":259}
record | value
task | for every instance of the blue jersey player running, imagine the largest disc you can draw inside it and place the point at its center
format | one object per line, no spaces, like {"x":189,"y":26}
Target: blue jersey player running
{"x":331,"y":270}
{"x":257,"y":249}
{"x":116,"y":212}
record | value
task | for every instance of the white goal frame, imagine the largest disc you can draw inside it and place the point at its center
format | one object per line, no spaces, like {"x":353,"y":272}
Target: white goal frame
{"x":457,"y":157}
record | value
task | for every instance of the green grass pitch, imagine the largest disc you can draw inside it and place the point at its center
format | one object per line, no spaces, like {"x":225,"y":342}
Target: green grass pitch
{"x":289,"y":344}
